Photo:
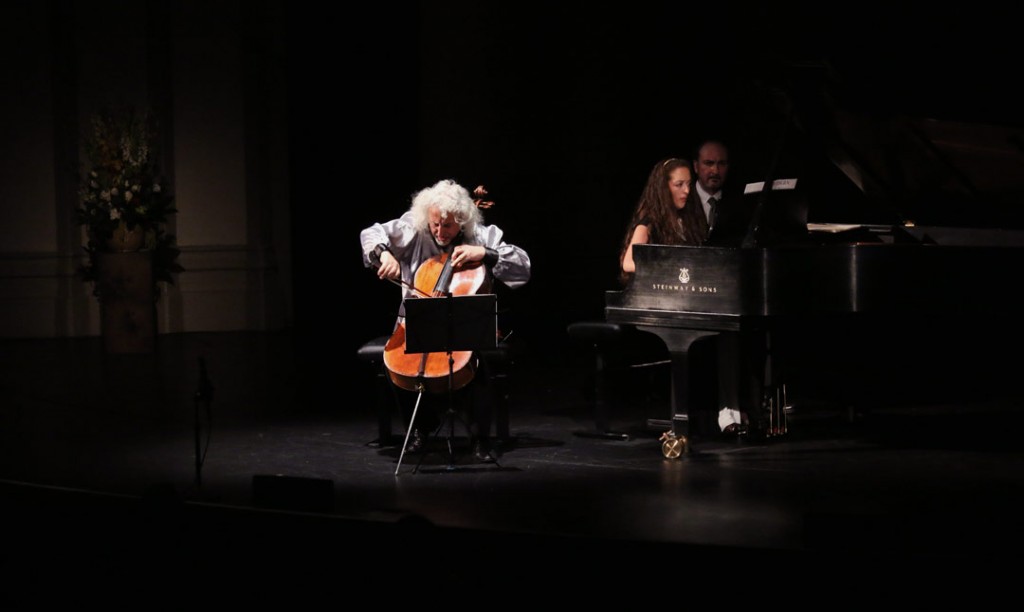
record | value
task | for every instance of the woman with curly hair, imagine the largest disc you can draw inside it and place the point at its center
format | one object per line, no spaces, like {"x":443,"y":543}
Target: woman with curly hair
{"x":661,"y":215}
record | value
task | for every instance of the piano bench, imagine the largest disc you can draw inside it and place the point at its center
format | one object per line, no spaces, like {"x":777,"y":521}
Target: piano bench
{"x":610,"y":345}
{"x":497,"y":365}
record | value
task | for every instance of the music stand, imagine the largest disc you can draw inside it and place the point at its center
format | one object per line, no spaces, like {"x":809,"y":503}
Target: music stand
{"x":445,"y":325}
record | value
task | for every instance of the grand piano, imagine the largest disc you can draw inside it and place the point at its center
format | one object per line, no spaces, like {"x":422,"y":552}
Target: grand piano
{"x":912,"y":283}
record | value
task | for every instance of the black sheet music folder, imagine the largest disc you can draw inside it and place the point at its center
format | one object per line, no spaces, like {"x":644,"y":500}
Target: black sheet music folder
{"x":457,"y":323}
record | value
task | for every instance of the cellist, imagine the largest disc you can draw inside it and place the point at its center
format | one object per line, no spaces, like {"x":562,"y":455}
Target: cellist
{"x":443,"y":218}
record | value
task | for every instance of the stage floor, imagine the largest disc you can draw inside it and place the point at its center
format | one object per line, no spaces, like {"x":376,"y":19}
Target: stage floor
{"x":98,"y":461}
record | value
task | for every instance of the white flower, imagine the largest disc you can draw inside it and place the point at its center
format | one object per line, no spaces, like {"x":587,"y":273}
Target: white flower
{"x":115,"y":214}
{"x":156,"y":187}
{"x":136,"y":187}
{"x":105,"y":195}
{"x":113,"y":191}
{"x":128,"y":196}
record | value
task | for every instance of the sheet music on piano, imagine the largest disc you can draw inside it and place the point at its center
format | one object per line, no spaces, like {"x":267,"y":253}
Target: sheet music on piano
{"x":777,"y":185}
{"x":832,"y":228}
{"x":778,"y":211}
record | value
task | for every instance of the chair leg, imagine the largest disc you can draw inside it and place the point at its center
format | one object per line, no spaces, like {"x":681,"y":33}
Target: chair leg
{"x":494,"y":392}
{"x":383,"y":413}
{"x":386,"y":408}
{"x":601,"y":419}
{"x":501,"y":402}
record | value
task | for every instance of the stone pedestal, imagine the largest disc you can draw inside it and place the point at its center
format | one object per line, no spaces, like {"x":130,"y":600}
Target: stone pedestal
{"x":127,"y":301}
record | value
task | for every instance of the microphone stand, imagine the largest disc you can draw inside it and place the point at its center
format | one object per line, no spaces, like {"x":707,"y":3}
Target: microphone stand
{"x":203,"y":396}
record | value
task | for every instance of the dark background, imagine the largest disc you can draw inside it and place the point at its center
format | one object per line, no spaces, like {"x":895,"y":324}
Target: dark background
{"x":561,"y":111}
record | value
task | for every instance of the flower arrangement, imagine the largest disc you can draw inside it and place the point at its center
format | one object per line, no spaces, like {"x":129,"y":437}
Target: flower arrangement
{"x":123,"y":194}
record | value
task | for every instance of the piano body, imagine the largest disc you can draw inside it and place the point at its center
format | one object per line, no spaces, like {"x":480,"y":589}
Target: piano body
{"x":872,"y":284}
{"x":683,"y":294}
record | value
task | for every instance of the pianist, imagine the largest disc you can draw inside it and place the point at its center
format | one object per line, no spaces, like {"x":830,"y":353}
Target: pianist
{"x":661,"y":215}
{"x":671,"y":210}
{"x":668,"y":213}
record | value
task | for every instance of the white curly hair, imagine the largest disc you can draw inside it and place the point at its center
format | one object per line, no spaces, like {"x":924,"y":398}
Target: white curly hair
{"x":450,"y":198}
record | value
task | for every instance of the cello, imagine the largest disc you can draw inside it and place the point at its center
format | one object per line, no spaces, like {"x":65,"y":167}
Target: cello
{"x":438,"y":372}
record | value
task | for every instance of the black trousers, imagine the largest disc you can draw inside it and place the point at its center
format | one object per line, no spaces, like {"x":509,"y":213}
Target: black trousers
{"x":741,"y":372}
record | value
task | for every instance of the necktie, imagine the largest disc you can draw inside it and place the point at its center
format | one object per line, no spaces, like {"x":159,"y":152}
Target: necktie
{"x":712,"y":203}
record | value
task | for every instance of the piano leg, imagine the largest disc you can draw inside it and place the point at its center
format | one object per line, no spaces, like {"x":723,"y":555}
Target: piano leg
{"x":679,"y":342}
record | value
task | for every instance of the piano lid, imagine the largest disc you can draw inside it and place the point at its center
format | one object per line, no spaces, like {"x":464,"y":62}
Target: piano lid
{"x":864,"y":158}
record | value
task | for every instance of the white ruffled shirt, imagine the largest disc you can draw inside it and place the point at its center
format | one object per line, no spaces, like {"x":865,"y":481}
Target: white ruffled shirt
{"x":411,"y":248}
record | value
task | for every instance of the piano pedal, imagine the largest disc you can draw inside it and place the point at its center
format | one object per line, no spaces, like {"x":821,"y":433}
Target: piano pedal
{"x":787,"y":412}
{"x":672,"y":446}
{"x":777,"y":410}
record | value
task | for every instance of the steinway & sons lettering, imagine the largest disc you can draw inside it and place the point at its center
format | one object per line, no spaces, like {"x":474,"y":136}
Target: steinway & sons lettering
{"x":686,"y":288}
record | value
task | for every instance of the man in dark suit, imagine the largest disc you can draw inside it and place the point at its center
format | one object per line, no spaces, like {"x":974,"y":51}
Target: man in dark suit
{"x":727,"y":211}
{"x":741,"y":355}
